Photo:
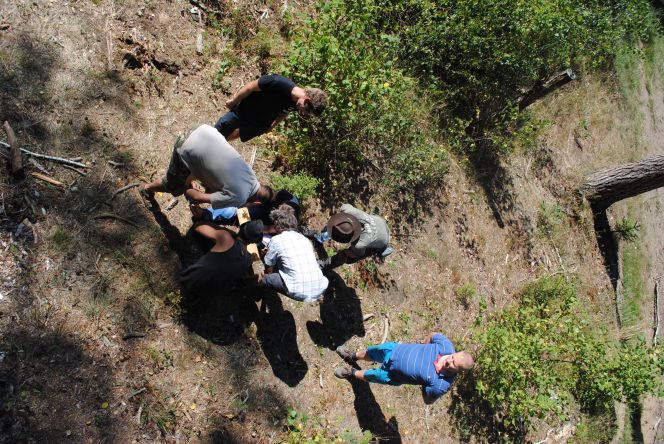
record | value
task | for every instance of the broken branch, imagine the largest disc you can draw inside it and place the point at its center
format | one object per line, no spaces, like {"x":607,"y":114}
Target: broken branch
{"x":14,"y":150}
{"x":50,"y":180}
{"x":125,"y":188}
{"x":45,"y":157}
{"x":116,"y":217}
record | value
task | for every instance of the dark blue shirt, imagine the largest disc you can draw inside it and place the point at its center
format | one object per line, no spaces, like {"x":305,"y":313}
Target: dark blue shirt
{"x":264,"y":106}
{"x":414,"y":364}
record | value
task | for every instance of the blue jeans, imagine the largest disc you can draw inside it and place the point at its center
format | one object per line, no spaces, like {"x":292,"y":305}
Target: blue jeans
{"x":380,"y":353}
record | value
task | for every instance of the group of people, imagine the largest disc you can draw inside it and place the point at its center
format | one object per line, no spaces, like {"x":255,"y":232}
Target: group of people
{"x":291,"y":266}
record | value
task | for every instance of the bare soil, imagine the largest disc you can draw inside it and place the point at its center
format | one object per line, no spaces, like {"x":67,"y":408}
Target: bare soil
{"x":118,"y":81}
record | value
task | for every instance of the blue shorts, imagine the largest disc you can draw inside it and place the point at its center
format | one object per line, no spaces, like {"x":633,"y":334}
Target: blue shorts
{"x":380,"y":353}
{"x":230,"y":121}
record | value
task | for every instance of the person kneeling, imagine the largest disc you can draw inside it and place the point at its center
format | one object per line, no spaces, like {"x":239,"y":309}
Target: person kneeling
{"x":225,"y":263}
{"x":291,"y":261}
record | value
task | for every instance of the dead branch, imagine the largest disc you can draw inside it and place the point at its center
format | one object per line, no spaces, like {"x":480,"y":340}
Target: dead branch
{"x":132,"y":335}
{"x":14,"y":150}
{"x":386,"y":329}
{"x":69,"y":167}
{"x":38,"y":165}
{"x":46,"y":157}
{"x":115,"y":164}
{"x":124,"y":188}
{"x":656,"y":320}
{"x":50,"y":180}
{"x":137,"y":392}
{"x":116,"y":217}
{"x":253,"y":158}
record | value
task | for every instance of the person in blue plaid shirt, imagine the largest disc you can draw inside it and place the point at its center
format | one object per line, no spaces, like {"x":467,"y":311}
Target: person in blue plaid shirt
{"x":291,"y":262}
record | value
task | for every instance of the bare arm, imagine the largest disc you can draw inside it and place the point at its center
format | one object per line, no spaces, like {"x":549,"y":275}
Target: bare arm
{"x":208,"y":230}
{"x":198,"y":197}
{"x":242,"y":94}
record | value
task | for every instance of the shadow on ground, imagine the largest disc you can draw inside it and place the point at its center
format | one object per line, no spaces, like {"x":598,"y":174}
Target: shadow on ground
{"x":370,"y":416}
{"x":50,"y":387}
{"x":340,"y":315}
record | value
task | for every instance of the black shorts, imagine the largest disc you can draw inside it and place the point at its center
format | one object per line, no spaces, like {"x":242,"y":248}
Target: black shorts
{"x":230,"y":121}
{"x":175,"y":181}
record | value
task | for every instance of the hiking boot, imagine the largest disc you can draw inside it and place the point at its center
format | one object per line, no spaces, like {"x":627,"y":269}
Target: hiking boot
{"x":386,"y":252}
{"x":343,"y":373}
{"x":345,"y":354}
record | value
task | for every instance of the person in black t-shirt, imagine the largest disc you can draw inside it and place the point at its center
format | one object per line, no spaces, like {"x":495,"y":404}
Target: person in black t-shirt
{"x":226,"y":262}
{"x":260,"y":105}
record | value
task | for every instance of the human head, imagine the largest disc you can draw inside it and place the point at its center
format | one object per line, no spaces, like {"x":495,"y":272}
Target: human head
{"x":283,"y":218}
{"x":252,"y":231}
{"x":344,"y":228}
{"x":457,"y":362}
{"x":313,"y":102}
{"x":265,"y":195}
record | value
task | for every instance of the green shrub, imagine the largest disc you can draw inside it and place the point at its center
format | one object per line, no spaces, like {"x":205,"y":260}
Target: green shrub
{"x":538,"y":356}
{"x":628,"y":229}
{"x":300,"y":184}
{"x":378,"y":121}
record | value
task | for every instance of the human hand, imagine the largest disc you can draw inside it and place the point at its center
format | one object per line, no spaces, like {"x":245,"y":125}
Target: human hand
{"x":259,"y":276}
{"x":232,"y":103}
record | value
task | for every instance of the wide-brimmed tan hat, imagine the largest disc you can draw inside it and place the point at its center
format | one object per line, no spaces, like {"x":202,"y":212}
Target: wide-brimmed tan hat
{"x":344,"y":228}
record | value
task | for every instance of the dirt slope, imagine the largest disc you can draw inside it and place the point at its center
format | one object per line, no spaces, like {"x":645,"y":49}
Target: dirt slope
{"x":118,"y":81}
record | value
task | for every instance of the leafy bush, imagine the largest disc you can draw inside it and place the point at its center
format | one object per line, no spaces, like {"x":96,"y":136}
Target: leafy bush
{"x":300,"y":184}
{"x":399,"y":72}
{"x":538,"y":356}
{"x":378,"y":120}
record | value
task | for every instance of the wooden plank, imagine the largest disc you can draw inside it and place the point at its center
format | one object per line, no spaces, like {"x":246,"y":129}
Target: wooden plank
{"x":243,"y":217}
{"x":14,"y":150}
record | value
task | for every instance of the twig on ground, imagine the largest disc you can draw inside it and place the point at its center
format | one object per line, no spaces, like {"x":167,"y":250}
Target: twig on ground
{"x":656,"y":332}
{"x":46,"y":157}
{"x":50,"y":180}
{"x":133,"y":334}
{"x":116,"y":217}
{"x":69,"y":167}
{"x":115,"y":164}
{"x":138,"y":415}
{"x":137,"y":392}
{"x":15,"y":158}
{"x":367,"y":317}
{"x":172,"y":204}
{"x":124,"y":188}
{"x":386,"y":329}
{"x":38,"y":165}
{"x":253,"y":157}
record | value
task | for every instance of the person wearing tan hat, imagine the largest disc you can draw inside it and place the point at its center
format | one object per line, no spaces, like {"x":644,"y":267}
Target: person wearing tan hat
{"x":367,"y":235}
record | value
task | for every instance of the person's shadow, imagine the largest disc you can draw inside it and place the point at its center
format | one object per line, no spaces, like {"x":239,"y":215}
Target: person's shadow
{"x":370,"y":416}
{"x":223,"y":316}
{"x":340,"y":315}
{"x":277,"y":335}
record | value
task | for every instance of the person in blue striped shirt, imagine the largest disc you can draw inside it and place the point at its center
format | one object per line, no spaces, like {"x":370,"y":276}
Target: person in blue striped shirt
{"x":433,"y":365}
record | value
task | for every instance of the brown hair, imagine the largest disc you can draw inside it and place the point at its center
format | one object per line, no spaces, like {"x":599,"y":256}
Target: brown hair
{"x":283,"y":218}
{"x":317,"y":100}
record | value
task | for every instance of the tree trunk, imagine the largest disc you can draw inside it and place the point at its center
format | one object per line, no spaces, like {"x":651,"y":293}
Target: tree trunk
{"x":606,"y":187}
